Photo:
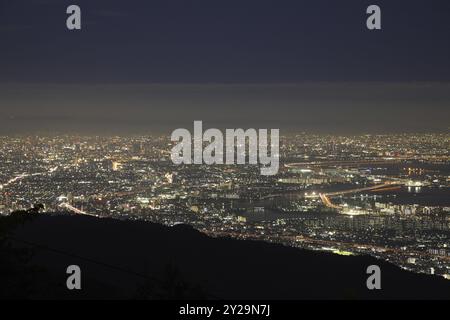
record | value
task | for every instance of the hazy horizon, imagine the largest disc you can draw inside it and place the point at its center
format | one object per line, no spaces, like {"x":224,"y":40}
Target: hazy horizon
{"x":369,"y":107}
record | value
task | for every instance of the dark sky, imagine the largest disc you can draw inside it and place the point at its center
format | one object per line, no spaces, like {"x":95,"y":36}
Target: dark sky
{"x":139,"y":65}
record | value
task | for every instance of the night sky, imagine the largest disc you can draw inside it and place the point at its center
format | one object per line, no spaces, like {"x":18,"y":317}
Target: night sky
{"x":147,"y":65}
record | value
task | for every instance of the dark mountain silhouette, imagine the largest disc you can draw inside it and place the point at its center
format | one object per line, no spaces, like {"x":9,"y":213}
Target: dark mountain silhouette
{"x":141,"y":260}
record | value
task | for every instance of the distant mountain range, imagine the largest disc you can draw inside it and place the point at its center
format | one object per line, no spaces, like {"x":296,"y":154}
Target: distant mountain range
{"x":142,"y":260}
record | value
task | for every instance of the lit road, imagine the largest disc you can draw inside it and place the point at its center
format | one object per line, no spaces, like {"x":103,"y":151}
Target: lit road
{"x":325,"y":197}
{"x":327,"y":202}
{"x":378,"y":186}
{"x":75,"y":210}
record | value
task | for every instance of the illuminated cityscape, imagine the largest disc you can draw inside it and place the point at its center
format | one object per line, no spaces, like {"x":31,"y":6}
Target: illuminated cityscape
{"x":229,"y":157}
{"x":383,"y":195}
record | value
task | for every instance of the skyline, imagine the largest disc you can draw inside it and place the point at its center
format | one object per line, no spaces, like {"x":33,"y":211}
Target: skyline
{"x":385,"y":196}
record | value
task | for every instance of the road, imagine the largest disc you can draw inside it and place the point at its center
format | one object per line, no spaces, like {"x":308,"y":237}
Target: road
{"x":325,"y":197}
{"x":67,"y":206}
